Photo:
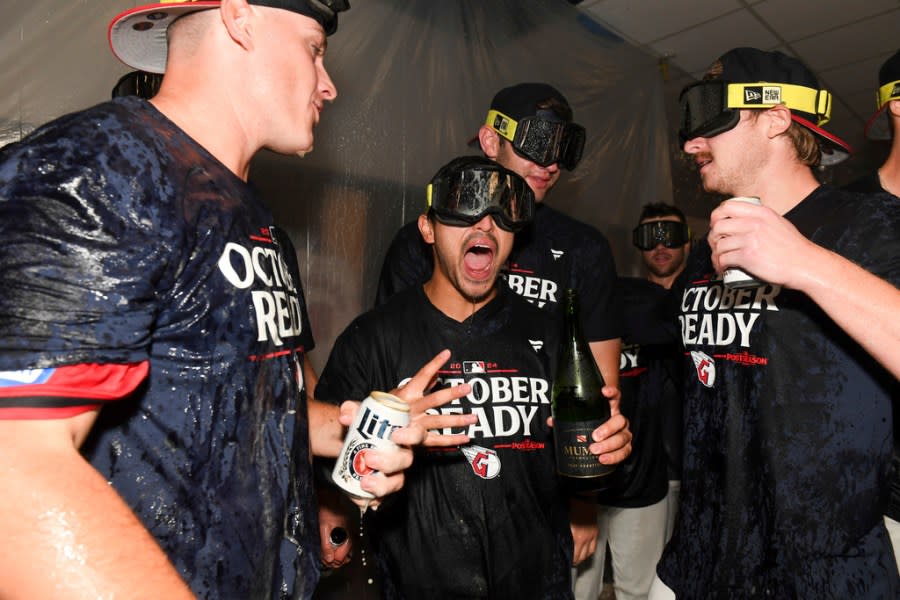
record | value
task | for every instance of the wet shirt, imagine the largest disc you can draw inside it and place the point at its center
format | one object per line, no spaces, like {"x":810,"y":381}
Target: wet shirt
{"x":134,"y":260}
{"x":787,"y":429}
{"x":485,"y":520}
{"x":554,"y":253}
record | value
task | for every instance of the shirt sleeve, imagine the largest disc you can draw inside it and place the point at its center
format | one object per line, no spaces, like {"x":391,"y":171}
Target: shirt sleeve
{"x":66,"y":391}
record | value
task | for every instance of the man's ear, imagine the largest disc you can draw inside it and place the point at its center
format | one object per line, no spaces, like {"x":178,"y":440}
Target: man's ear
{"x":490,"y":142}
{"x":426,"y":230}
{"x":893,"y":106}
{"x":779,"y":119}
{"x":236,"y":16}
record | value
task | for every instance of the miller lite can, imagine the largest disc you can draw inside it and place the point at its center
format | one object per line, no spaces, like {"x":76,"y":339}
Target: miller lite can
{"x":738,"y":278}
{"x":377,"y":418}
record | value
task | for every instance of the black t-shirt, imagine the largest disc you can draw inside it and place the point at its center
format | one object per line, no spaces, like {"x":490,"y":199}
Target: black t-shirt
{"x":787,"y":429}
{"x":486,"y":520}
{"x":650,"y":398}
{"x":554,"y":253}
{"x":125,"y":242}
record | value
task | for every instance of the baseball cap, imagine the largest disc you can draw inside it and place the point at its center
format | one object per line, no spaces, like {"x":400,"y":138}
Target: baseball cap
{"x":753,"y":78}
{"x":542,"y":134}
{"x":138,"y":36}
{"x":878,"y":127}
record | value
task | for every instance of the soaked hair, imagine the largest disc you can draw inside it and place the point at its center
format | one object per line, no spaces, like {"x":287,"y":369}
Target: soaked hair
{"x":654,"y":210}
{"x":805,"y":144}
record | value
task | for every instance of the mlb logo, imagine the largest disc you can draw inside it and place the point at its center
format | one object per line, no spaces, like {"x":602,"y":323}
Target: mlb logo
{"x":473,"y":366}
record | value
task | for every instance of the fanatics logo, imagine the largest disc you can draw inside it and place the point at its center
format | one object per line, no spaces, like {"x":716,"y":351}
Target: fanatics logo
{"x":557,"y":254}
{"x":473,"y":366}
{"x":706,"y":368}
{"x":485,"y":463}
{"x":536,"y":345}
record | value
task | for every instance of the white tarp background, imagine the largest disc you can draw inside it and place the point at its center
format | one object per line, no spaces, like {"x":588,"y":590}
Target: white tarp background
{"x":414,"y":79}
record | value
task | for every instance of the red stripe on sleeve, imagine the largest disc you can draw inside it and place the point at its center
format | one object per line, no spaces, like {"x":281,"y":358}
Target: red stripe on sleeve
{"x":71,"y":389}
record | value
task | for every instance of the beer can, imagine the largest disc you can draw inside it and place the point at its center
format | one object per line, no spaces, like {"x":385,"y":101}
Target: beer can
{"x":378,"y":416}
{"x":738,"y":278}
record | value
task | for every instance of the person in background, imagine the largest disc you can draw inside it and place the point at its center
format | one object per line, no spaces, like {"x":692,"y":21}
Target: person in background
{"x":784,"y":465}
{"x":881,"y":127}
{"x":636,"y":513}
{"x":529,"y":129}
{"x":154,"y":432}
{"x":488,"y":519}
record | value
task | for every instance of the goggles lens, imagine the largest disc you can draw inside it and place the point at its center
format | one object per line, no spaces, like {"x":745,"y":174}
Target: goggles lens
{"x":670,"y":234}
{"x":545,"y":142}
{"x":704,"y":110}
{"x":464,"y":198}
{"x":543,"y":139}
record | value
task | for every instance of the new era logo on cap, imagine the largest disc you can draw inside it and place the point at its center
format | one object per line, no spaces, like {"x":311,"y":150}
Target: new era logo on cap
{"x":762,"y":94}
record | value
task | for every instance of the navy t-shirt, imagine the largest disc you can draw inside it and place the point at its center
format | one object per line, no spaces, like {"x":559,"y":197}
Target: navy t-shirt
{"x":125,"y":242}
{"x":788,"y":431}
{"x":486,"y":520}
{"x":554,"y":253}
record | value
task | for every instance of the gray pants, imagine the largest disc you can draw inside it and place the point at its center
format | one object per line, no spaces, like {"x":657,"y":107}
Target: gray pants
{"x":636,"y":539}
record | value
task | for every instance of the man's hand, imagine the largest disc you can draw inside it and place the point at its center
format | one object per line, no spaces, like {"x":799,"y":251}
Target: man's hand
{"x":758,"y":240}
{"x":332,"y":519}
{"x":612,"y":440}
{"x":392,"y":462}
{"x":583,"y":521}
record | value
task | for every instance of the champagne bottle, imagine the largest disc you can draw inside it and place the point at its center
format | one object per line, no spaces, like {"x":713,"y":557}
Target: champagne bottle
{"x":578,"y":406}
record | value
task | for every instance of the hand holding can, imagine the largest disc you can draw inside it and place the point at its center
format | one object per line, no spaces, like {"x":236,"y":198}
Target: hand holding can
{"x":733,"y":277}
{"x":379,"y":415}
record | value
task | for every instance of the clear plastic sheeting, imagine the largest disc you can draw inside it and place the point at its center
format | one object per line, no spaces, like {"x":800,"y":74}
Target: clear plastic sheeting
{"x":415,"y":79}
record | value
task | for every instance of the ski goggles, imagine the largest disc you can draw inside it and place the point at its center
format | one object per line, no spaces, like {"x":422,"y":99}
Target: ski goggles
{"x":670,"y":234}
{"x":464,"y":198}
{"x":543,"y":139}
{"x":327,"y":10}
{"x":709,"y":108}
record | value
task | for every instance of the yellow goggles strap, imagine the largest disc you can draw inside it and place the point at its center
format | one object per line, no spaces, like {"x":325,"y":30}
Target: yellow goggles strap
{"x":886,"y":93}
{"x":502,"y":124}
{"x":795,"y":97}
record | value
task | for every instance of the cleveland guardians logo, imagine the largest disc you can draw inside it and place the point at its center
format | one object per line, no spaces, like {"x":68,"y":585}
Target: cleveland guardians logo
{"x":705,"y":366}
{"x":484,"y":462}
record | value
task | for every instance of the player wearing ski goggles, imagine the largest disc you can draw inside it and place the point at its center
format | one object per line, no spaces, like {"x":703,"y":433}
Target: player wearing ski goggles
{"x":543,"y":139}
{"x":670,"y":234}
{"x":461,"y":197}
{"x":709,"y":108}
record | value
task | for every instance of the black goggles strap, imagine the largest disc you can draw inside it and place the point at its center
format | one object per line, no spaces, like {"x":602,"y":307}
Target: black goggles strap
{"x":465,"y":197}
{"x":671,"y":234}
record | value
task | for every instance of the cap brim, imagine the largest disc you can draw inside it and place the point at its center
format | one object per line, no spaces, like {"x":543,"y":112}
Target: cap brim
{"x":877,"y":127}
{"x":834,"y":149}
{"x":138,"y":36}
